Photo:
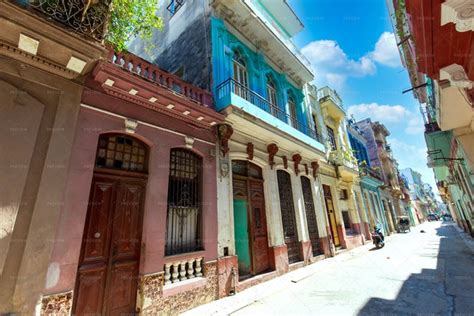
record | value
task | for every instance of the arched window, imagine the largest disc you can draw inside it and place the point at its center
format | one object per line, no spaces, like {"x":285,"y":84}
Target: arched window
{"x":292,"y":112}
{"x":240,"y":76}
{"x":272,"y":95}
{"x":121,"y":152}
{"x":184,"y":203}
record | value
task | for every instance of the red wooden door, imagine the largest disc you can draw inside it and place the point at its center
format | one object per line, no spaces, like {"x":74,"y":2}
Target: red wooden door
{"x":258,"y":228}
{"x":107,"y":276}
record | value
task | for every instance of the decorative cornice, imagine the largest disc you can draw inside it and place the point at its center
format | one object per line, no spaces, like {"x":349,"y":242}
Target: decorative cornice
{"x":456,"y":75}
{"x":459,"y":12}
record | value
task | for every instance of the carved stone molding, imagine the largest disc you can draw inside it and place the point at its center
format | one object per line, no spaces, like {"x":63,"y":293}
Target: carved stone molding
{"x":272,"y":149}
{"x":459,"y":12}
{"x":456,"y":75}
{"x":249,"y":151}
{"x":225,"y":131}
{"x":57,"y":304}
{"x":315,"y":166}
{"x":296,"y":159}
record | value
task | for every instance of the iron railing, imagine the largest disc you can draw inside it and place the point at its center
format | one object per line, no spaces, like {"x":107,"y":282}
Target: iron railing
{"x":371,"y":172}
{"x":89,"y":17}
{"x":231,"y":86}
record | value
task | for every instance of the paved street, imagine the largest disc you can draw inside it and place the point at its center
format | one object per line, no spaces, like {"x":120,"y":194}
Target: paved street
{"x":422,"y":273}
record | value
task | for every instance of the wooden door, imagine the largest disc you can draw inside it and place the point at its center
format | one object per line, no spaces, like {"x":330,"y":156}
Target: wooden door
{"x":107,"y":277}
{"x":261,"y":261}
{"x":311,"y":216}
{"x":288,"y":216}
{"x":331,"y":215}
{"x":241,"y":226}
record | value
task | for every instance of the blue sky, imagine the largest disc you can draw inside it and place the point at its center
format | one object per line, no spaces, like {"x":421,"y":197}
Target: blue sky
{"x":351,"y":46}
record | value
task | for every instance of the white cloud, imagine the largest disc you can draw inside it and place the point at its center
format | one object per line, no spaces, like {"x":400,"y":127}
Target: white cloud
{"x":389,"y":115}
{"x":332,"y":66}
{"x":386,"y":51}
{"x":379,"y":112}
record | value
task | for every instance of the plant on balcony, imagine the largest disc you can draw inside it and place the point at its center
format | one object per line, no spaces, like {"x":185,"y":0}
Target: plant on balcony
{"x":133,"y":18}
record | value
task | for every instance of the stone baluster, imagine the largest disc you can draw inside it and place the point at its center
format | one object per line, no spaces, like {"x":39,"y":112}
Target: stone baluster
{"x":182,"y":271}
{"x":198,"y":267}
{"x":175,"y":273}
{"x":167,"y":273}
{"x":191,"y":268}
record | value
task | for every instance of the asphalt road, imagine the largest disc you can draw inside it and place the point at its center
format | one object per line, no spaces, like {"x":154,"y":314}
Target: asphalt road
{"x":430,"y":273}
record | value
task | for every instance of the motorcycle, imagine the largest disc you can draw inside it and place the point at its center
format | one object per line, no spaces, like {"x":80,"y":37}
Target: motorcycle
{"x":378,"y":238}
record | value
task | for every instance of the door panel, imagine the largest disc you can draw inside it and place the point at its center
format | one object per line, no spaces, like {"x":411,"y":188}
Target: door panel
{"x":311,"y":216}
{"x":331,"y":215}
{"x":90,"y":290}
{"x":261,"y":261}
{"x":288,"y":216}
{"x":241,"y":233}
{"x":108,"y":268}
{"x":122,"y":288}
{"x":97,"y":234}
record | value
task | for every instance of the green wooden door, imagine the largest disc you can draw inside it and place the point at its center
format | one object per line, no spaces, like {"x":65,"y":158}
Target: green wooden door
{"x":242,"y":246}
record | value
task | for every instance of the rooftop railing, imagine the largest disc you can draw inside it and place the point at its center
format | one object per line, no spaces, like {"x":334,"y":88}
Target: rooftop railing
{"x":88,"y":18}
{"x":232,"y":86}
{"x":153,"y":73}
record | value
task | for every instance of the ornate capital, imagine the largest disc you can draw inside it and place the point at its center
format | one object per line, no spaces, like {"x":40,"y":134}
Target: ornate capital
{"x":459,"y":12}
{"x":225,"y":131}
{"x":296,"y":159}
{"x":315,"y":166}
{"x":272,"y":149}
{"x":249,"y":151}
{"x":456,"y":75}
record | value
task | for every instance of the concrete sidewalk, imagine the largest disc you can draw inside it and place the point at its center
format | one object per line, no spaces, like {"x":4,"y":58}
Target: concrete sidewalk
{"x":232,"y":304}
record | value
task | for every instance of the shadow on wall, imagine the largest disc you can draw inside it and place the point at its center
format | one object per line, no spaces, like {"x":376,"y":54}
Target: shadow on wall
{"x":446,"y":290}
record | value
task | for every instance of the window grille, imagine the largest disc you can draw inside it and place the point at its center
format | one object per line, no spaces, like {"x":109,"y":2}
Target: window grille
{"x":121,"y":152}
{"x":184,"y":203}
{"x":174,"y":6}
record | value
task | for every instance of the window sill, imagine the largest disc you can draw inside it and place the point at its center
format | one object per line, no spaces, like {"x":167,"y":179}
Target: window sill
{"x":184,"y":256}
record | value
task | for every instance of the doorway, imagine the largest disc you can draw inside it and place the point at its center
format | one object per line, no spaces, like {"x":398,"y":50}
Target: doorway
{"x":331,"y":215}
{"x":250,"y":224}
{"x":107,"y":276}
{"x":288,"y":216}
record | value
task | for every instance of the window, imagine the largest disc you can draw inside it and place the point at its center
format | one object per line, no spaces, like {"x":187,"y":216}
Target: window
{"x":344,"y":195}
{"x":174,"y":6}
{"x":121,"y":152}
{"x":240,"y":76}
{"x":315,"y":123}
{"x":292,"y":110}
{"x":332,"y":138}
{"x":347,"y":219}
{"x":184,"y":203}
{"x":271,"y":95}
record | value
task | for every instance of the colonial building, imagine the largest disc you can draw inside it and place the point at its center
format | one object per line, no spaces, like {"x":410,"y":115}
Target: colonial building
{"x":382,"y":159}
{"x":340,"y":176}
{"x":442,"y":80}
{"x":270,"y":212}
{"x":110,"y":177}
{"x":370,"y":179}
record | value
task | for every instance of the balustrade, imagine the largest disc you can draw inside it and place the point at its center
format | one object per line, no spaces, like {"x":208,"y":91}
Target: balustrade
{"x":151,"y":72}
{"x":183,"y":270}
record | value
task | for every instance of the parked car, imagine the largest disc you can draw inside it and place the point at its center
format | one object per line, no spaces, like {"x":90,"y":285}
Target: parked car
{"x":432,"y":217}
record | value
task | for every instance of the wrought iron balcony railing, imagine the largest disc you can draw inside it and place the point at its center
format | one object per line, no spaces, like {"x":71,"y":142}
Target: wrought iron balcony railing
{"x":231,"y":86}
{"x":371,"y":172}
{"x":87,"y":17}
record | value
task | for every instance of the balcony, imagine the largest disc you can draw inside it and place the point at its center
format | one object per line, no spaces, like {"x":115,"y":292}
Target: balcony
{"x":232,"y":93}
{"x":331,"y":103}
{"x":257,"y":20}
{"x":89,"y":19}
{"x":370,"y":172}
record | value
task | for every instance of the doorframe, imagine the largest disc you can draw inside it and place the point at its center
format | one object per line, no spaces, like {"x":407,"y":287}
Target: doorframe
{"x":116,"y":175}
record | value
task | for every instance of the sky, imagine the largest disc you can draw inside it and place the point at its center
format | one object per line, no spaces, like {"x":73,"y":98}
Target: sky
{"x":352,"y":49}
